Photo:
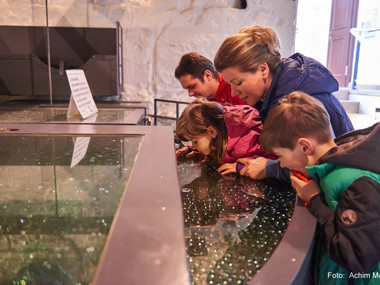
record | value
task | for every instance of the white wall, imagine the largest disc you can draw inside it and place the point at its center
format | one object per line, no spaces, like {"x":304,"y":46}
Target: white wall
{"x":157,"y":32}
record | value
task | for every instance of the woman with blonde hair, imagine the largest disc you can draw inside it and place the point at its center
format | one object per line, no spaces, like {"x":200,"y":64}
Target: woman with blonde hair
{"x":221,"y":133}
{"x":251,"y":62}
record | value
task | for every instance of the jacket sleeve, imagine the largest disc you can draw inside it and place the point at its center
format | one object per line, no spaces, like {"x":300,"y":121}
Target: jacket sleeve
{"x":273,"y":169}
{"x":352,"y":232}
{"x":244,"y":128}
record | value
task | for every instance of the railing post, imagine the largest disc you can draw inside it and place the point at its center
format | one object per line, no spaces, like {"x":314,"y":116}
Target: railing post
{"x":155,"y":112}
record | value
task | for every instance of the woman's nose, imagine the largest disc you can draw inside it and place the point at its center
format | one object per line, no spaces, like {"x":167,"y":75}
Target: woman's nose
{"x":234,"y":91}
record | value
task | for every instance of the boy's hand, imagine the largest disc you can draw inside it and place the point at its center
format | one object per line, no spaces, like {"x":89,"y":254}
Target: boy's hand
{"x":305,"y":190}
{"x":227,"y":168}
{"x":253,"y":168}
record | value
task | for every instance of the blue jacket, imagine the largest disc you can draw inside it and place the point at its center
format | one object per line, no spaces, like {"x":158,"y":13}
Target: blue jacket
{"x":301,"y":73}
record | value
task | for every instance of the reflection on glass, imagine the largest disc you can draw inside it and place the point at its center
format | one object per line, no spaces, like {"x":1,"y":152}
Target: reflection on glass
{"x":59,"y":115}
{"x":80,"y":149}
{"x":232,"y":225}
{"x":54,"y":219}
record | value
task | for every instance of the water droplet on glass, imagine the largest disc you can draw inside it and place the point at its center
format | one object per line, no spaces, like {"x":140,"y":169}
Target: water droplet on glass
{"x":90,"y":249}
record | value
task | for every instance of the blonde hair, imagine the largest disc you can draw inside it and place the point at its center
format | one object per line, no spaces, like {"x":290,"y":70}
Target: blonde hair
{"x":195,"y":120}
{"x":248,"y":49}
{"x":295,"y":115}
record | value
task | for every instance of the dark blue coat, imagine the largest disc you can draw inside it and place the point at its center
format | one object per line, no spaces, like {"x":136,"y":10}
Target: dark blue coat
{"x":301,"y":73}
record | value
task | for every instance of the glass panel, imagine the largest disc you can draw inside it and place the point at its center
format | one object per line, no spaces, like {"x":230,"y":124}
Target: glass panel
{"x":58,"y":115}
{"x":232,"y":225}
{"x":54,"y":219}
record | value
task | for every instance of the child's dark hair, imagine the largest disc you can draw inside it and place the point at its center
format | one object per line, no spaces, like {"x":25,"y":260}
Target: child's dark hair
{"x":195,"y":120}
{"x":295,"y":115}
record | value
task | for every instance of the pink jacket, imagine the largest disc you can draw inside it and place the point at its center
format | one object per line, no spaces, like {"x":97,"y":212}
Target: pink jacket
{"x":244,"y":128}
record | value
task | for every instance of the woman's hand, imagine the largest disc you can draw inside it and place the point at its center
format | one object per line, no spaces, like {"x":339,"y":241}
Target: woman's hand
{"x":305,"y":190}
{"x":227,"y":168}
{"x":253,"y":168}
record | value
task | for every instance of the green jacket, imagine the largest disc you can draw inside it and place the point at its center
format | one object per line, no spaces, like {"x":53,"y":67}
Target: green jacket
{"x":348,"y":211}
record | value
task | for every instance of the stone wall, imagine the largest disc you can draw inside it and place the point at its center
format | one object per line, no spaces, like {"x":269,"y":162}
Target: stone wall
{"x":157,"y":32}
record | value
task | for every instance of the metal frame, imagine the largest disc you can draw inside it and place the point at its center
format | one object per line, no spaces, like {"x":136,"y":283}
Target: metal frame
{"x":291,"y":261}
{"x":138,"y":116}
{"x":177,"y":103}
{"x":146,"y":243}
{"x":119,"y":61}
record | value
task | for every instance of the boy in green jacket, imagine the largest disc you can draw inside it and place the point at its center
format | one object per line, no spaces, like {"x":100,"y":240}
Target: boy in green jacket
{"x":339,"y":179}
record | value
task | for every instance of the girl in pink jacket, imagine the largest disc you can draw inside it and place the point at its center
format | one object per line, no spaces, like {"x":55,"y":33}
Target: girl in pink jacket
{"x":221,"y":133}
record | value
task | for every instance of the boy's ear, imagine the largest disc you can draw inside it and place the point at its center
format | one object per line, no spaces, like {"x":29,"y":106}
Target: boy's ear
{"x":306,"y":145}
{"x":211,"y":130}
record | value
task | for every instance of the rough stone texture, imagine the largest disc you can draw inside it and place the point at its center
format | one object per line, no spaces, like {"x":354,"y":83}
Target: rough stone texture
{"x":157,"y":32}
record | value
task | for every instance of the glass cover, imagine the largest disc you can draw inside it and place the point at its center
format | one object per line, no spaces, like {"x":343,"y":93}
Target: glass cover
{"x":59,"y":115}
{"x":58,"y":197}
{"x":232,"y":224}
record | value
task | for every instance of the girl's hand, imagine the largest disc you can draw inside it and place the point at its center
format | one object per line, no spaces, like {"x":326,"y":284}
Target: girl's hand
{"x":182,"y":151}
{"x":305,"y":190}
{"x":185,"y":151}
{"x":227,"y":168}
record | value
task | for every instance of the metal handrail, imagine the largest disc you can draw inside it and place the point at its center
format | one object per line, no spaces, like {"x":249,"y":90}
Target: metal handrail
{"x":167,"y":117}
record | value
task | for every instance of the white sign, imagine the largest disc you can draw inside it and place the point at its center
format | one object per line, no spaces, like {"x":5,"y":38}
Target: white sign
{"x":81,"y":101}
{"x":80,"y":149}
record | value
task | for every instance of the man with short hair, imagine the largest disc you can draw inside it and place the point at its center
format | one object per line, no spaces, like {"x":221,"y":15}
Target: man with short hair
{"x":199,"y":77}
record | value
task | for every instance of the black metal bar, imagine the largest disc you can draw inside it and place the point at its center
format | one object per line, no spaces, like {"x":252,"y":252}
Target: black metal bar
{"x":155,"y":112}
{"x":167,"y":117}
{"x":162,"y":117}
{"x":171,"y":101}
{"x":48,"y":53}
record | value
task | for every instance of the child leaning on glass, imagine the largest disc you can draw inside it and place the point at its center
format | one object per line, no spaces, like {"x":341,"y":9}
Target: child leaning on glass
{"x":341,"y":185}
{"x":221,"y":133}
